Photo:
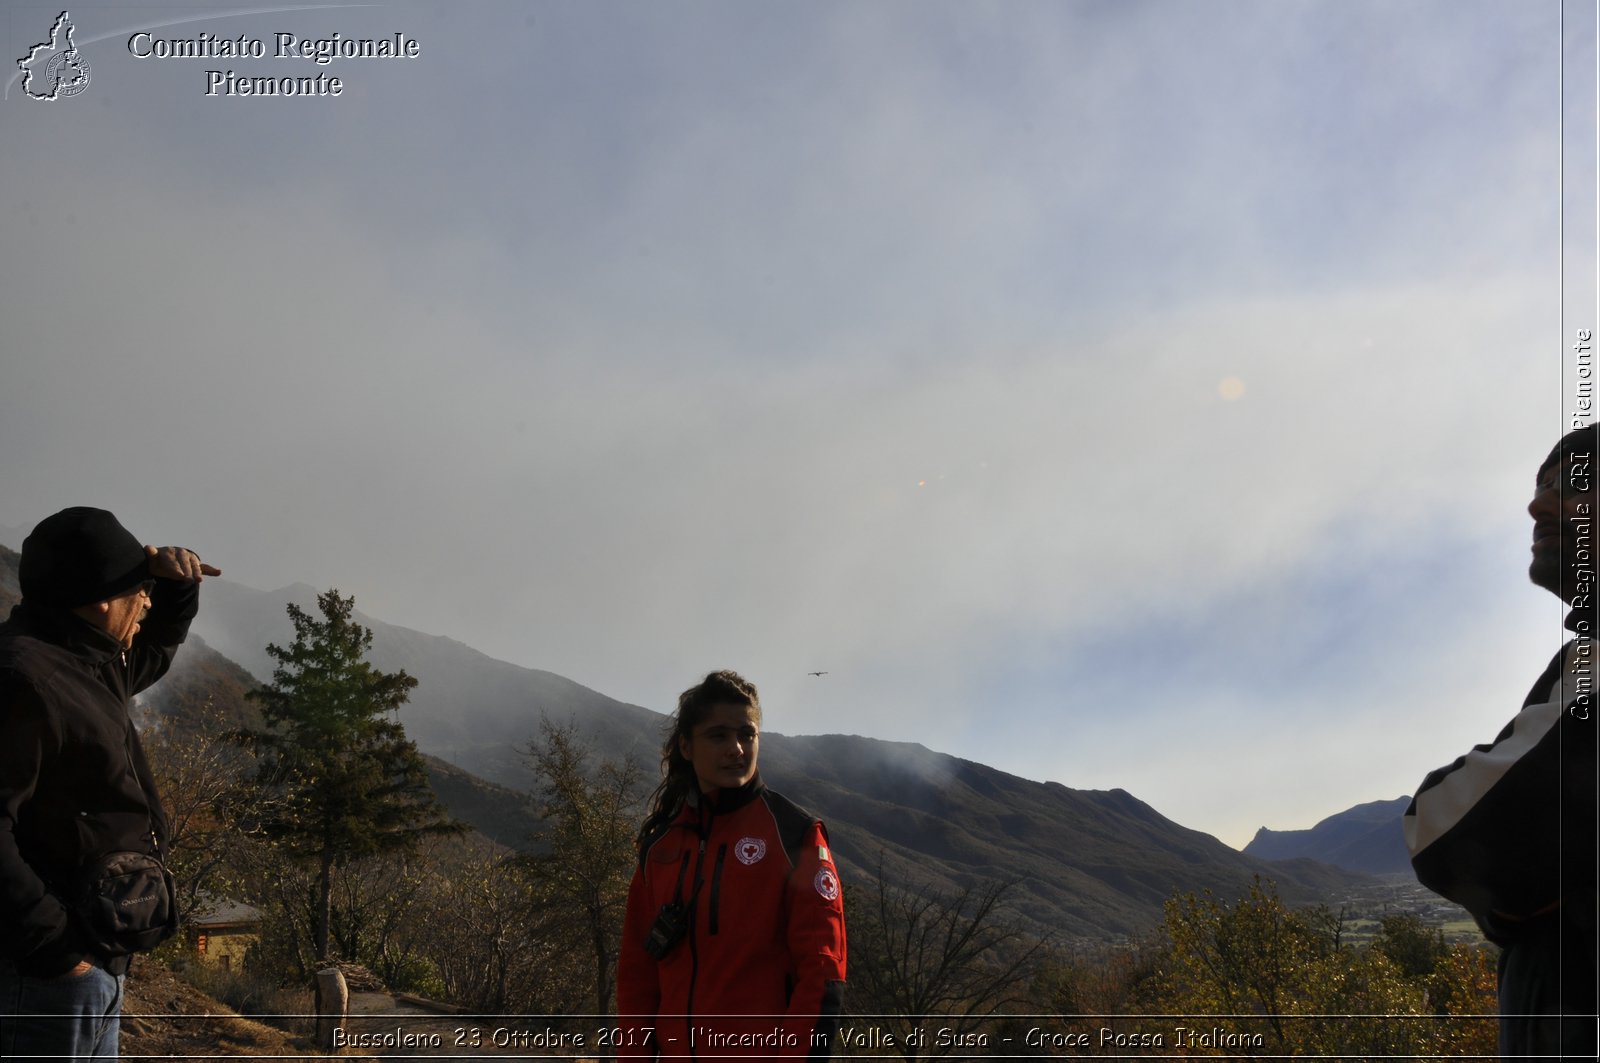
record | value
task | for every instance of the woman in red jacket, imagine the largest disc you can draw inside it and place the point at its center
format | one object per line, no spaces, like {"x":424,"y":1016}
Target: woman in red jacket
{"x":734,"y":943}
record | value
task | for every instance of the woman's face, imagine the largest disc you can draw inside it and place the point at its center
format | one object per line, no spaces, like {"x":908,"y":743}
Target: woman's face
{"x":723,"y":747}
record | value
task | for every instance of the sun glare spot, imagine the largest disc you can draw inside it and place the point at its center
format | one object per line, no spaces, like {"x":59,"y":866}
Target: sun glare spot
{"x":1231,"y":389}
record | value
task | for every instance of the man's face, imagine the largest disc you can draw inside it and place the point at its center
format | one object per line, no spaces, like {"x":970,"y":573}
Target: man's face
{"x":1563,"y":512}
{"x":120,"y":616}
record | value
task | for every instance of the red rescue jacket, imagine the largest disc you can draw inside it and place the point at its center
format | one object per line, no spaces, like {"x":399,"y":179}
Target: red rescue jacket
{"x":759,"y":970}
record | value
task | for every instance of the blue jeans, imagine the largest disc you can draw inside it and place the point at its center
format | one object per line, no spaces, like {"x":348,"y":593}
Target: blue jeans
{"x":72,"y":1017}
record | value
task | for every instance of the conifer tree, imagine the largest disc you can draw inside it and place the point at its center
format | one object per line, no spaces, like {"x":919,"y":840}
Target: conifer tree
{"x":336,"y":777}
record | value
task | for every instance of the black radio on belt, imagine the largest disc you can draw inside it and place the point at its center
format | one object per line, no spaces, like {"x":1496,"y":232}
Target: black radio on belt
{"x":671,"y":924}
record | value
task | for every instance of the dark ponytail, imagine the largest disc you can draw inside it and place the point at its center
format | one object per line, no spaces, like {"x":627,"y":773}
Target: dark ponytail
{"x":694,"y":705}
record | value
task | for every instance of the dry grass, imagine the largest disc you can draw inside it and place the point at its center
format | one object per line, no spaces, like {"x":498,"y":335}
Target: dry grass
{"x":164,"y":1017}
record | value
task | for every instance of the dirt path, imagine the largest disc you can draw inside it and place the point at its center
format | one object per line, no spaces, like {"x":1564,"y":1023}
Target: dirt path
{"x":406,"y":1026}
{"x":167,"y":1019}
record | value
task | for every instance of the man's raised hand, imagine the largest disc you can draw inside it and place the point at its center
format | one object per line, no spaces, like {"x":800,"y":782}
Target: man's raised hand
{"x":174,"y":562}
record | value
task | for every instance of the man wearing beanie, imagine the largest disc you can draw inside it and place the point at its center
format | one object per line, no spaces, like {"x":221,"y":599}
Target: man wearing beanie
{"x":81,"y":827}
{"x":1508,"y":830}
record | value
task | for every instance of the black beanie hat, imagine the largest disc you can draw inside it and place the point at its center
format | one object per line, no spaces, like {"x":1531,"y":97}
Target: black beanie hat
{"x":78,"y":557}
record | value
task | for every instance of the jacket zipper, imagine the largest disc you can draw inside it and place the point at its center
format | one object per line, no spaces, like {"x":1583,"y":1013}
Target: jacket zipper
{"x":716,"y":884}
{"x":133,"y":772}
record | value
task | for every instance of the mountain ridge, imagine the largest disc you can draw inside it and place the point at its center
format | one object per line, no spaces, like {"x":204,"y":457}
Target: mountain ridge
{"x":1093,"y":864}
{"x":1366,"y":838}
{"x":1089,"y":865}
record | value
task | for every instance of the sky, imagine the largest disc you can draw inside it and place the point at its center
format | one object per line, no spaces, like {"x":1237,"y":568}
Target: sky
{"x":1141,"y":394}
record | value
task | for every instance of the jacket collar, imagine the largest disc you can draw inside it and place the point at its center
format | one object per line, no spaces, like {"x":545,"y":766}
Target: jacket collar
{"x":722,"y":802}
{"x":65,"y":629}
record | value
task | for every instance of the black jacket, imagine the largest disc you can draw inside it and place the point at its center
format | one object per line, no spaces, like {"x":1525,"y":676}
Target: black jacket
{"x":74,"y":783}
{"x":1508,"y":832}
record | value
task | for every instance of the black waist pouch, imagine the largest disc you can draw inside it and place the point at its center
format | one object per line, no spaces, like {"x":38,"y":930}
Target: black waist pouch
{"x":127,"y":903}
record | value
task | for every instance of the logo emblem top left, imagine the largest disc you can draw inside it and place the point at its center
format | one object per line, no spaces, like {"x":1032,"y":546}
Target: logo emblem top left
{"x":55,"y":69}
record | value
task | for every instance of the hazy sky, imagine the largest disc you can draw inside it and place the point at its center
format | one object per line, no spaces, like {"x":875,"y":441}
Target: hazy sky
{"x":1137,"y":394}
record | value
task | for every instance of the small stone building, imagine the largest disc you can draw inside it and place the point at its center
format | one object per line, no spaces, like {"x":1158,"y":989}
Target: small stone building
{"x":221,"y":932}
